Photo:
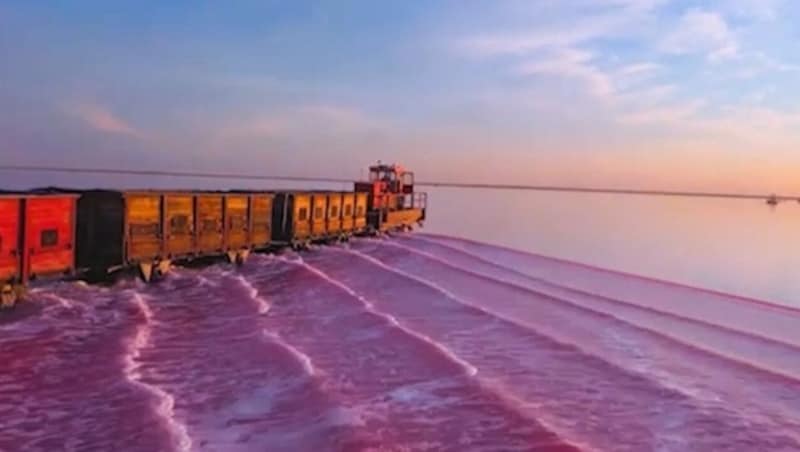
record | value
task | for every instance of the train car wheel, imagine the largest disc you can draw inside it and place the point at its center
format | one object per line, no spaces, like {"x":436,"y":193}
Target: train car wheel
{"x":146,"y":271}
{"x":8,"y":297}
{"x":242,"y":256}
{"x":164,"y":267}
{"x":20,"y":291}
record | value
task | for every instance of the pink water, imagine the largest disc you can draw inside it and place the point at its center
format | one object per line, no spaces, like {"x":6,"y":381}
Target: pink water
{"x":419,"y":342}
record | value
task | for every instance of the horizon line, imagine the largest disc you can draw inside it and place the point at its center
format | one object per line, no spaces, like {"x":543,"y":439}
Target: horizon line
{"x":441,"y":184}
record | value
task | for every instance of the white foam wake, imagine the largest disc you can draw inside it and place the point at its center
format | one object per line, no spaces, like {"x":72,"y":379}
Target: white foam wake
{"x":469,"y":369}
{"x":262,"y":304}
{"x":304,"y":359}
{"x":132,"y":372}
{"x":63,"y":302}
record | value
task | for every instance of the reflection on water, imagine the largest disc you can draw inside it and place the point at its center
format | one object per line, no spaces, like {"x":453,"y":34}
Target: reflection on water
{"x":737,"y":246}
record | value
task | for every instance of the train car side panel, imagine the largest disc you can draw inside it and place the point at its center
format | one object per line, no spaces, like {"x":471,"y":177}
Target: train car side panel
{"x":301,"y":216}
{"x":291,"y":218}
{"x":261,"y":220}
{"x":318,"y":214}
{"x":397,"y":219}
{"x":209,"y":223}
{"x":49,"y":235}
{"x":348,"y":212}
{"x":334,"y":214}
{"x":10,"y":255}
{"x":178,"y":225}
{"x":100,"y":235}
{"x":237,"y":222}
{"x":360,"y":216}
{"x":143,"y":227}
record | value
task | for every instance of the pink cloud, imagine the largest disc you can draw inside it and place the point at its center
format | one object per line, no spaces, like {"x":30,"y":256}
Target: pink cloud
{"x":574,"y":64}
{"x":702,"y":32}
{"x":100,"y":118}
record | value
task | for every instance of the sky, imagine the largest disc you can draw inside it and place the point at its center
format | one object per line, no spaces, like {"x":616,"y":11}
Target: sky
{"x":662,"y":94}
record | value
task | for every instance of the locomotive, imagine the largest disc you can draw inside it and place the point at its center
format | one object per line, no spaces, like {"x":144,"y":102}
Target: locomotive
{"x":94,"y":234}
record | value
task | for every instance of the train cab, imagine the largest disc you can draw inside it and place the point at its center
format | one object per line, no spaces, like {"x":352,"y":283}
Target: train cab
{"x":393,"y":205}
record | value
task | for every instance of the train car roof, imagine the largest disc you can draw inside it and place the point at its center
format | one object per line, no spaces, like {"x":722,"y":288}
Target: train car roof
{"x":38,"y":192}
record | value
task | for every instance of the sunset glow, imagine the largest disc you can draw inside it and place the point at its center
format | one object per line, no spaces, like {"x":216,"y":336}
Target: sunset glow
{"x":620,"y":93}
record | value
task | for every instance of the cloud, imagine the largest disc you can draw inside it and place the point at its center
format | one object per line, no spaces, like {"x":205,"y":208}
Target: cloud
{"x":758,"y":119}
{"x":760,"y":130}
{"x":773,"y":64}
{"x":638,"y":69}
{"x":663,"y":114}
{"x":702,"y":32}
{"x":634,"y":77}
{"x":553,"y":36}
{"x":759,"y":63}
{"x":300,"y":122}
{"x":102,"y":119}
{"x":647,"y":95}
{"x":555,"y":47}
{"x":571,"y":63}
{"x":765,"y":10}
{"x":568,"y":25}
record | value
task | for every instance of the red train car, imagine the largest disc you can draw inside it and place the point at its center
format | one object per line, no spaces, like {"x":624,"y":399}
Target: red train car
{"x":37,"y":239}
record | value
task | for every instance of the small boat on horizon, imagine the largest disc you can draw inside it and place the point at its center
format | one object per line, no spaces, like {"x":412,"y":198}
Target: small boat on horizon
{"x":772,"y":200}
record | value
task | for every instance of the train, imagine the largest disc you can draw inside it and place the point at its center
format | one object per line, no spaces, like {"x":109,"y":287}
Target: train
{"x":100,"y":233}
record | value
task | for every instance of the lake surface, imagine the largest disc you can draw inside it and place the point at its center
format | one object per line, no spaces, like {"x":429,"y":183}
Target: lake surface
{"x":417,"y":342}
{"x":736,"y":246}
